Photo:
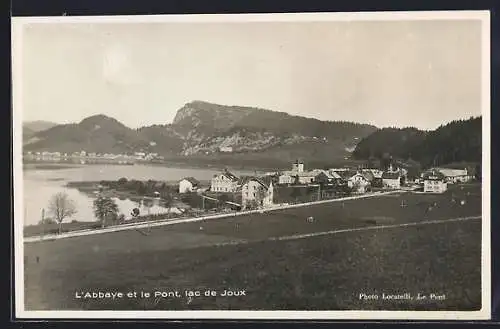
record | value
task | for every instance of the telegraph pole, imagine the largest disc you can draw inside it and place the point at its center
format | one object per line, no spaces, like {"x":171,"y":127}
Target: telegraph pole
{"x":43,"y":222}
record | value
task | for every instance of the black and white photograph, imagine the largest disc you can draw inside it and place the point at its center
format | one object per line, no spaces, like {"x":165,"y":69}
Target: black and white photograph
{"x":252,"y":166}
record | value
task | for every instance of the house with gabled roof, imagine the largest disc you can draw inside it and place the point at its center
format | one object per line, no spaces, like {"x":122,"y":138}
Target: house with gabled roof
{"x":224,"y":182}
{"x":391,"y":180}
{"x":257,"y":192}
{"x":359,"y":182}
{"x":454,"y":176}
{"x":434,"y":182}
{"x":188,"y":184}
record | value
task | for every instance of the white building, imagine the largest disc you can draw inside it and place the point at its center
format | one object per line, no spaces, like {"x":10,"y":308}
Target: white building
{"x":286,"y":178}
{"x":188,"y":184}
{"x":298,"y":166}
{"x":300,"y":176}
{"x":377,"y":173}
{"x":391,"y":180}
{"x":454,"y":176}
{"x":307,"y":177}
{"x":258,"y":192}
{"x":434,"y":182}
{"x":359,"y":182}
{"x":224,"y":182}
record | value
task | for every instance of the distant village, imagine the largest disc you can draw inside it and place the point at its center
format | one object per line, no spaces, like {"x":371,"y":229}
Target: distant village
{"x":250,"y":192}
{"x":296,"y":185}
{"x":84,"y":157}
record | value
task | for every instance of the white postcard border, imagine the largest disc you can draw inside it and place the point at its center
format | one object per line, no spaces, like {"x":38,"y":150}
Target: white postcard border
{"x":483,"y":314}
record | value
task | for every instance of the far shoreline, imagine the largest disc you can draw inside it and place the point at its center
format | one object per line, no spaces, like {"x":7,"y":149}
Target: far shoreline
{"x":58,"y":165}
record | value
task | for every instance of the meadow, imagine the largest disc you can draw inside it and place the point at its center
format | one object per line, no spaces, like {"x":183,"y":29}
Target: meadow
{"x":389,"y":244}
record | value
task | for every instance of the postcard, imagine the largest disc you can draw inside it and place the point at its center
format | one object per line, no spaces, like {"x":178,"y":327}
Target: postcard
{"x":252,"y":166}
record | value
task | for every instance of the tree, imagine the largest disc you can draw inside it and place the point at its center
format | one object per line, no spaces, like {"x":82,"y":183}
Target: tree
{"x":167,"y":200}
{"x":105,"y":208}
{"x":222,"y":201}
{"x":296,"y":193}
{"x":61,"y":207}
{"x":135,"y":212}
{"x":386,"y":161}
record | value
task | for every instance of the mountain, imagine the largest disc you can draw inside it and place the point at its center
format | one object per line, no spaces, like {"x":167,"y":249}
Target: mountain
{"x":203,"y":131}
{"x":39,"y":125}
{"x":208,"y":127}
{"x":97,"y":133}
{"x":455,"y":142}
{"x":32,"y":127}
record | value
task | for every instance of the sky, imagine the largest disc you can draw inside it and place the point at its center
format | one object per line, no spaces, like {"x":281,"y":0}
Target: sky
{"x":387,"y":73}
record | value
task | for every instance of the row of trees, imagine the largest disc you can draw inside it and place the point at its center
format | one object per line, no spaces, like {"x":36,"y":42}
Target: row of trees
{"x":147,"y":188}
{"x":61,"y":207}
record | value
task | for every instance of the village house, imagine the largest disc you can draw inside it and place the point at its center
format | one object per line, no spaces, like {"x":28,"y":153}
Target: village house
{"x":224,"y":182}
{"x":327,"y":177}
{"x":291,"y":176}
{"x":306,"y":177}
{"x":454,"y":176}
{"x":188,"y":184}
{"x":257,"y":192}
{"x":391,"y":180}
{"x":339,"y":169}
{"x":434,"y":182}
{"x":359,"y":182}
{"x":377,"y":173}
{"x":286,"y":178}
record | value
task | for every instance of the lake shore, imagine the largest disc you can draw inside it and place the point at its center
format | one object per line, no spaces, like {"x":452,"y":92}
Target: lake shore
{"x":49,"y":166}
{"x":169,"y":164}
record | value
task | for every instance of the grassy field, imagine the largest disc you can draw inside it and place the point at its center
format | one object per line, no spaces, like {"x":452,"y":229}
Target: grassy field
{"x":325,"y":272}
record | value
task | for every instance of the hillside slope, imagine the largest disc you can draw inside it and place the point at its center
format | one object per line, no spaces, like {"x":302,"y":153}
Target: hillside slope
{"x":457,"y":141}
{"x":202,"y":129}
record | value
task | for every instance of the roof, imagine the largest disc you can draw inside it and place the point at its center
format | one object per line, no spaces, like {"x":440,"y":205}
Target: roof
{"x":312,"y":173}
{"x":287,"y":173}
{"x":264,"y":181}
{"x":229,"y":175}
{"x":192,"y":180}
{"x":334,"y":174}
{"x":366,"y":176}
{"x":452,"y":172}
{"x":245,"y":179}
{"x":267,"y":180}
{"x":347,"y":174}
{"x":390,"y":175}
{"x":433,"y":175}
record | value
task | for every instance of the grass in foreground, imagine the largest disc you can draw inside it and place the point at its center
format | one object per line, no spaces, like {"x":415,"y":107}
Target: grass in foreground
{"x":326,"y":273}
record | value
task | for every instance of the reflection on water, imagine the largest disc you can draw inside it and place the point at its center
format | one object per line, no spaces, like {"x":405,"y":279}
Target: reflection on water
{"x":40,"y":185}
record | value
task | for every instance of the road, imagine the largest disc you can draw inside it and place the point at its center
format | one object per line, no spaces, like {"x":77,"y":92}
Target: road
{"x":135,"y":226}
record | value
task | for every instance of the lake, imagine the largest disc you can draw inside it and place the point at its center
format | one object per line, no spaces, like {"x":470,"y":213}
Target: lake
{"x":41,"y":184}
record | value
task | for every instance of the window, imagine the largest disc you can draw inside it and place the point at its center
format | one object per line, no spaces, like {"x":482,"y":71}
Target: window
{"x":254,"y":194}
